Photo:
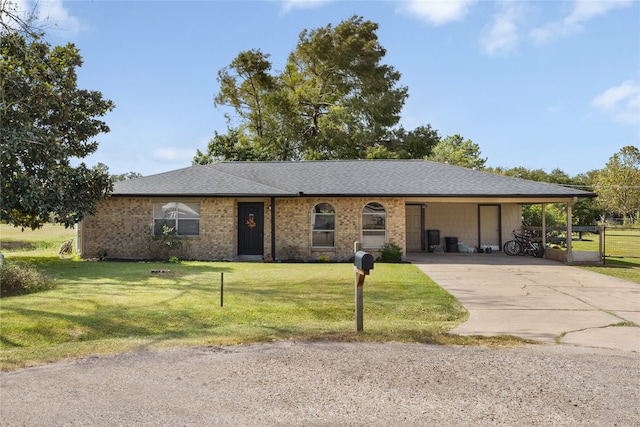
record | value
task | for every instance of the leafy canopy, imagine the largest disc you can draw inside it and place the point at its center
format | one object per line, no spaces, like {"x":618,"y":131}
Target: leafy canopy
{"x":585,"y":212}
{"x":47,"y":122}
{"x":335,"y":99}
{"x":454,"y":150}
{"x":618,"y":184}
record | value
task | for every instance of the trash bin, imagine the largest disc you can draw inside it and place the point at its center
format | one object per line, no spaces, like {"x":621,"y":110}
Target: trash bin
{"x":452,"y":244}
{"x":433,"y":239}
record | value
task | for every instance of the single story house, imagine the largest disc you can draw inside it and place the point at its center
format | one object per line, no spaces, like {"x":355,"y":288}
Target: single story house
{"x":312,"y":209}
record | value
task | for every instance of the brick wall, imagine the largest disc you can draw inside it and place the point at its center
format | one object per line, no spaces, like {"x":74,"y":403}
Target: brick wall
{"x":293,"y":226}
{"x":118,"y":229}
{"x":121,"y":227}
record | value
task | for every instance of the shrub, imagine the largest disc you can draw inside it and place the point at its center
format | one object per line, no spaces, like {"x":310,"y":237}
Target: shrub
{"x":390,"y":253}
{"x":167,"y":245}
{"x":289,"y":253}
{"x":21,"y":278}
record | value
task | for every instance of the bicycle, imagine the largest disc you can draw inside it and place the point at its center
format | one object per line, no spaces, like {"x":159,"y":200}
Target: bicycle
{"x":523,"y":244}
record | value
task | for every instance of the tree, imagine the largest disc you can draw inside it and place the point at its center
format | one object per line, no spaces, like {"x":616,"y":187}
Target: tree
{"x":454,"y":150}
{"x":335,"y":99}
{"x":618,"y":184}
{"x":46,"y":122}
{"x":585,"y":212}
{"x":414,"y":144}
{"x":13,"y":19}
{"x":102,"y":168}
{"x":125,"y":176}
{"x":231,"y":147}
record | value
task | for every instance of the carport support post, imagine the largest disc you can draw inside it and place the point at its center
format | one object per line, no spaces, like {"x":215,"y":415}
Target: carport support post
{"x":544,"y":225}
{"x":359,"y":285}
{"x":569,"y":230}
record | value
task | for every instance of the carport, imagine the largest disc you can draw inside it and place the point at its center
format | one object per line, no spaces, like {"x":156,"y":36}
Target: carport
{"x":481,"y":221}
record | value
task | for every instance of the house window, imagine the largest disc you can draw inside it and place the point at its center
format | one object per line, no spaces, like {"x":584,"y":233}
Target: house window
{"x":323,"y":224}
{"x":374,"y":229}
{"x":183,"y":218}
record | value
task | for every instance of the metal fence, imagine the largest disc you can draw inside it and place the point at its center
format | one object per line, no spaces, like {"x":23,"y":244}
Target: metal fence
{"x":621,"y":242}
{"x":612,"y":242}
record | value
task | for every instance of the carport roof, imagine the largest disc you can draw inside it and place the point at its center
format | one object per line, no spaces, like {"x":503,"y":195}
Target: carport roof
{"x":338,"y":178}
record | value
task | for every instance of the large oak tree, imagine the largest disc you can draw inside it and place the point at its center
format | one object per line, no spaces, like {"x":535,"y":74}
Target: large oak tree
{"x":335,"y":99}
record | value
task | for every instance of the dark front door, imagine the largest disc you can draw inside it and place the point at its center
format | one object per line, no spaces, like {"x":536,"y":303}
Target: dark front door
{"x":250,"y":228}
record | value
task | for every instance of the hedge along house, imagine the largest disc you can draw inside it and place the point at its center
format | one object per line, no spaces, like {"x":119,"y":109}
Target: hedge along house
{"x":311,"y":209}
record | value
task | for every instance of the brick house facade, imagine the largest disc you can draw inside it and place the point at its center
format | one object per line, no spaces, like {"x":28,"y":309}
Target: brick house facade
{"x":308,"y":210}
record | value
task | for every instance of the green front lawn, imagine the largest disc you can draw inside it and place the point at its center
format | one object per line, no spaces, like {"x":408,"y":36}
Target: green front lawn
{"x":110,"y":307}
{"x":105,"y":307}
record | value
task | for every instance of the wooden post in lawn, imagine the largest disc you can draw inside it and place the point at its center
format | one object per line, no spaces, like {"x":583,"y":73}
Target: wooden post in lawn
{"x":362,"y":263}
{"x":360,"y":274}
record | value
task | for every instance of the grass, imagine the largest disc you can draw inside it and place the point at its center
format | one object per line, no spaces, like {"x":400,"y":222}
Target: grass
{"x":41,"y":242}
{"x":625,"y":266}
{"x":619,"y":243}
{"x":104,"y":307}
{"x":110,"y":307}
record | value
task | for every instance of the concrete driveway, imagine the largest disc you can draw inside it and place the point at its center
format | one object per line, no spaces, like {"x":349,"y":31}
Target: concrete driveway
{"x":538,"y":299}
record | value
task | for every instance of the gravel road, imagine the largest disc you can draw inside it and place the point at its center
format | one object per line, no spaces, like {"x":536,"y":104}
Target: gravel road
{"x":330,"y":384}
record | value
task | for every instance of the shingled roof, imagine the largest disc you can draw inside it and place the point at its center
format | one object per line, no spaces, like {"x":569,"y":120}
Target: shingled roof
{"x":383,"y":178}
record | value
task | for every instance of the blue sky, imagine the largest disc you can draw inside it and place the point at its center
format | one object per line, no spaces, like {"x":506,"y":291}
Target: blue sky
{"x":539,"y":84}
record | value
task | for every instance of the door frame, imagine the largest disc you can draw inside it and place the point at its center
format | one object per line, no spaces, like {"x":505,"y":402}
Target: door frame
{"x":499,"y":206}
{"x":258,"y":229}
{"x":423,"y":242}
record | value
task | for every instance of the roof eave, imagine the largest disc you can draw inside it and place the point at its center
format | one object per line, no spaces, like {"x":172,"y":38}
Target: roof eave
{"x":405,"y":195}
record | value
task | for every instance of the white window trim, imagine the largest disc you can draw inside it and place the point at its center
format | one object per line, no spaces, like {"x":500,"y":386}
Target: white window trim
{"x":313,"y":230}
{"x":362,"y":229}
{"x":185,"y":236}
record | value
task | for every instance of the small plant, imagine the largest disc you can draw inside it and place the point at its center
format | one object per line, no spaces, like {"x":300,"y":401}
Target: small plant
{"x":21,"y":278}
{"x":174,"y":260}
{"x":323,"y":258}
{"x":166,"y":244}
{"x":390,"y":253}
{"x":290,"y":252}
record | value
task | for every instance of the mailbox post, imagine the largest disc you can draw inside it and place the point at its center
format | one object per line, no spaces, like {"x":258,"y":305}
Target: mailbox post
{"x":362,"y":263}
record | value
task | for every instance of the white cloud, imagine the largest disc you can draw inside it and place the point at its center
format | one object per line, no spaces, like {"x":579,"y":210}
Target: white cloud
{"x":622,"y":102}
{"x":501,"y":36}
{"x":583,"y":11}
{"x":53,"y":12}
{"x":173,"y":154}
{"x":437,"y":12}
{"x":47,"y":15}
{"x":288,"y":5}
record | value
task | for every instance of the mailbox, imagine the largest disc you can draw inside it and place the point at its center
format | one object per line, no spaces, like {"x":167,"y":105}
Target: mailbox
{"x":363,"y":261}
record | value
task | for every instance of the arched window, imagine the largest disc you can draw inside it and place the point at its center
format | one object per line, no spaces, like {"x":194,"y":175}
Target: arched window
{"x":323,"y":224}
{"x":374,"y":226}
